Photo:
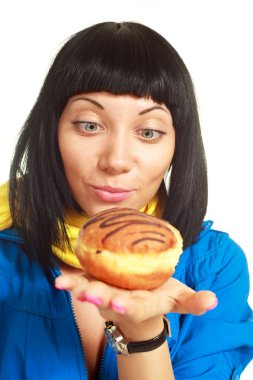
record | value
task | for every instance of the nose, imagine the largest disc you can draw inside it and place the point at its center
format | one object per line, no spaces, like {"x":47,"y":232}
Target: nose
{"x":115,"y":156}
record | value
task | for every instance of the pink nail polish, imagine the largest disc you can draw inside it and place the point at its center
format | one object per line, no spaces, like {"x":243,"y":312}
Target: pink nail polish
{"x":213,"y":306}
{"x":93,"y":299}
{"x":116,"y":307}
{"x":81,"y":297}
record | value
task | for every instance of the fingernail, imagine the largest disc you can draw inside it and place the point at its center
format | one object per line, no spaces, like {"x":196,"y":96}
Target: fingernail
{"x":116,"y":307}
{"x":88,"y":298}
{"x":81,"y":297}
{"x":213,"y":306}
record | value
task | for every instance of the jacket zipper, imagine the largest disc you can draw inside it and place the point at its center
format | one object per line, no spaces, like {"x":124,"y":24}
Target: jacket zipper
{"x":78,"y":330}
{"x":101,"y":365}
{"x":56,"y":273}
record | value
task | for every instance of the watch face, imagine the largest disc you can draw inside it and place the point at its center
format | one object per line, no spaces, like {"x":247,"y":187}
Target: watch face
{"x":111,"y":340}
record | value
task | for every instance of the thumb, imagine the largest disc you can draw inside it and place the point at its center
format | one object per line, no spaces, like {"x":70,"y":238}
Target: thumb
{"x":196,"y":303}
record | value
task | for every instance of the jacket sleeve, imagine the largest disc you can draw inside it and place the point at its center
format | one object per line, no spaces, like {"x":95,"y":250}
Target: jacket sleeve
{"x":218,"y":344}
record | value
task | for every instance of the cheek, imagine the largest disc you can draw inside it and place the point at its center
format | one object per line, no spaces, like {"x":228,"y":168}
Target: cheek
{"x":68,"y":156}
{"x":158,"y":163}
{"x":75,"y":158}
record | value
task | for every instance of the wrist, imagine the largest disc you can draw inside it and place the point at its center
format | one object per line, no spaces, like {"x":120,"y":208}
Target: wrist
{"x":142,"y":330}
{"x":123,"y":345}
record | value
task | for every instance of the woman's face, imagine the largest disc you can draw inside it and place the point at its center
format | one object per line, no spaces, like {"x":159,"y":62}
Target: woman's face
{"x":115,"y":149}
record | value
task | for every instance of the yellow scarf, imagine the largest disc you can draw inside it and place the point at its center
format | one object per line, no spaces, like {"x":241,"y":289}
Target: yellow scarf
{"x":5,"y":215}
{"x":73,"y":223}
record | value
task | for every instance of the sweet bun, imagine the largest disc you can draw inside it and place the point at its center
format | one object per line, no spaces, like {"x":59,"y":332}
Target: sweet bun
{"x":129,"y":249}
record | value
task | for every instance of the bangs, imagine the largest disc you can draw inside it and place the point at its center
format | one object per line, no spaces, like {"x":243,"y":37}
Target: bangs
{"x":120,"y":59}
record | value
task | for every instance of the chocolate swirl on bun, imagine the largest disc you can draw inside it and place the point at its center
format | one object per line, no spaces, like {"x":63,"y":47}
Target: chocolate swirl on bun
{"x":129,"y":249}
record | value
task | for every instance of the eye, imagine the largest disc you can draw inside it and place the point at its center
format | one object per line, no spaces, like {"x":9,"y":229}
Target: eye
{"x":151,"y":134}
{"x":87,"y":126}
{"x":147,"y":133}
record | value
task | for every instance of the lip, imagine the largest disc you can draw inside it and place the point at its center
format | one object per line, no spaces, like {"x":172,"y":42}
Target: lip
{"x":112,"y":194}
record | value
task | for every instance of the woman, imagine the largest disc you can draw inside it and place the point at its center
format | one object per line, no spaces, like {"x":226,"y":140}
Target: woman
{"x":115,"y":124}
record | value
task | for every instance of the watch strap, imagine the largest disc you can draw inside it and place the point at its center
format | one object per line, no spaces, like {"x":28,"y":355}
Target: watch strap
{"x":150,"y":344}
{"x":122,"y":347}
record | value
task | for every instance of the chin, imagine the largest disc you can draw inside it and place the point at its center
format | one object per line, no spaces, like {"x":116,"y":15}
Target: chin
{"x":92,"y":211}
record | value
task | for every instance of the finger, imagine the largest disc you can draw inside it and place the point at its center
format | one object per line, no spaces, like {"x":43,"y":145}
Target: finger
{"x":196,"y":303}
{"x":136,"y":306}
{"x":95,"y":292}
{"x":68,"y":282}
{"x":176,"y":297}
{"x":140,"y":306}
{"x":89,"y":290}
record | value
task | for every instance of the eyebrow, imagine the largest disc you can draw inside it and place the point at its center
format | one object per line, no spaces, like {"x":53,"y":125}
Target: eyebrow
{"x":91,"y":101}
{"x":101,"y":107}
{"x":151,"y":109}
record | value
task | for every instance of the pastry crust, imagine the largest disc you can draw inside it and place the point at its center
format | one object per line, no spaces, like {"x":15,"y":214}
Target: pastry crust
{"x":129,"y":249}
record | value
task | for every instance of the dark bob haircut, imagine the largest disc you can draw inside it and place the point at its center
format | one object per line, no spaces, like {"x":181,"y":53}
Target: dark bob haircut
{"x":120,"y":58}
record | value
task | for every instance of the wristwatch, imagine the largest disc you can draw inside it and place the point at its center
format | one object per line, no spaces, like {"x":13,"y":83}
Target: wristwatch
{"x":119,"y":344}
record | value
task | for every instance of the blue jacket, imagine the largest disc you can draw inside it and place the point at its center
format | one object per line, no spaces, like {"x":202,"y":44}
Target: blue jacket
{"x":39,"y":338}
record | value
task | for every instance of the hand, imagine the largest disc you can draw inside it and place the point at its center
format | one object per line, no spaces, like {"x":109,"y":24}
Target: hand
{"x":136,"y":306}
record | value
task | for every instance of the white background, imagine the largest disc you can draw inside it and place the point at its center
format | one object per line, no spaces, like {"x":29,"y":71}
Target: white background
{"x":214,"y":37}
